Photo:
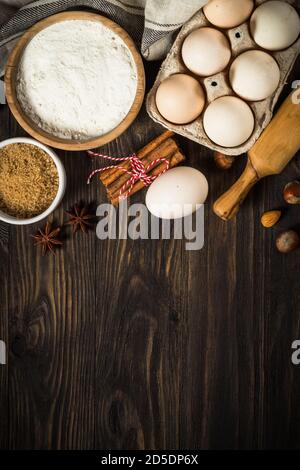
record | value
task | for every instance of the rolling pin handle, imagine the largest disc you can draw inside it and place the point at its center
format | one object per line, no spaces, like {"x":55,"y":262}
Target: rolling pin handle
{"x":229,"y":203}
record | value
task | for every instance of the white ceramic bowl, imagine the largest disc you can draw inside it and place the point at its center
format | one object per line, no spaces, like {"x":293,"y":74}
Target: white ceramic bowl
{"x":61,"y":183}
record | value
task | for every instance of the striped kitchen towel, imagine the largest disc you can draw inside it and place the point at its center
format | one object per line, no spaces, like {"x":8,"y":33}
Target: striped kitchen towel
{"x":151,"y":23}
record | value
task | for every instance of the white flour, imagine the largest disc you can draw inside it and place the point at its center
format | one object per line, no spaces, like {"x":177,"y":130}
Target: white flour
{"x":77,"y":79}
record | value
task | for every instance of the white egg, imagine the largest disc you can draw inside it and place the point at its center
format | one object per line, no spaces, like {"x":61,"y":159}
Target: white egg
{"x":228,"y":121}
{"x":275,"y":25}
{"x":206,"y":51}
{"x":254,"y":75}
{"x":177,"y":193}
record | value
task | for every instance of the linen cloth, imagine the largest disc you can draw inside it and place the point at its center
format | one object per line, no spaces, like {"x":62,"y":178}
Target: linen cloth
{"x":151,"y":23}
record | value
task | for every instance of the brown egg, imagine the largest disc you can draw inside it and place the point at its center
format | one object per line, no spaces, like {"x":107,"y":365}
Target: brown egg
{"x":180,"y":98}
{"x":228,"y":13}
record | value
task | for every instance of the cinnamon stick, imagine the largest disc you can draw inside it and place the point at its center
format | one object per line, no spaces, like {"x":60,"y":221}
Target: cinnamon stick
{"x":175,"y":159}
{"x":165,"y":150}
{"x":107,"y":177}
{"x":163,"y":146}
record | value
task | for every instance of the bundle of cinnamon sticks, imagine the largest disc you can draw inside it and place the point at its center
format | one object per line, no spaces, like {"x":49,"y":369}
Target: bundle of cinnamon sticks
{"x":163,"y":146}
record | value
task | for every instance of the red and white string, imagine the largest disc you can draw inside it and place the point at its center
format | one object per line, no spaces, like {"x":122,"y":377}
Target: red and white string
{"x":138,"y":171}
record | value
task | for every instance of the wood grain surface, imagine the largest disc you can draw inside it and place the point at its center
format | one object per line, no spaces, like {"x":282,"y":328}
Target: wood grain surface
{"x":269,"y":156}
{"x":125,"y":344}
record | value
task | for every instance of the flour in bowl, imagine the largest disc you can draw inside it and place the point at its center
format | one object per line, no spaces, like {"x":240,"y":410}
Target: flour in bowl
{"x":76,"y":80}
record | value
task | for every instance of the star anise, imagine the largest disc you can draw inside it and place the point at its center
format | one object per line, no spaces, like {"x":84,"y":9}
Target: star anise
{"x":48,"y":238}
{"x":80,"y":218}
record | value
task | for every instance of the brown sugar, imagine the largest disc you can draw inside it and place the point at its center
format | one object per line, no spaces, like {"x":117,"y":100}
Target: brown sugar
{"x":28,"y":180}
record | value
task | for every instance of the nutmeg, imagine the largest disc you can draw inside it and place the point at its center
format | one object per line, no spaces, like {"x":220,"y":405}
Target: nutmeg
{"x":291,"y":192}
{"x":287,"y":241}
{"x":270,"y":218}
{"x":224,"y":162}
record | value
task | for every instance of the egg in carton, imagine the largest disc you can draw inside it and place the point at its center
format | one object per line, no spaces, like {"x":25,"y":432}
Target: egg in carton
{"x":218,"y":85}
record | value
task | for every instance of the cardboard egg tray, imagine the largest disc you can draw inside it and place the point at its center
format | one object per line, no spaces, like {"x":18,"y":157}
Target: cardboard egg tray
{"x":218,"y":85}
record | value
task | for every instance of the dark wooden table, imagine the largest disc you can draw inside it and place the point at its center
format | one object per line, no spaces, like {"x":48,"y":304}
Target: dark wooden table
{"x":142,"y":344}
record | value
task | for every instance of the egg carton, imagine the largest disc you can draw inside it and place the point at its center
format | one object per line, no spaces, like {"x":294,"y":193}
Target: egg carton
{"x":218,"y":85}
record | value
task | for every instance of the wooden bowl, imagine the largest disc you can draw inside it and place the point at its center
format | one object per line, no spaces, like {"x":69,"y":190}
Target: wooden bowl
{"x":31,"y":127}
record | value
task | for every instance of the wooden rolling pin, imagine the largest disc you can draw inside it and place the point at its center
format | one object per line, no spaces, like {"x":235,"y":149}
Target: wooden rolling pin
{"x":277,"y":145}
